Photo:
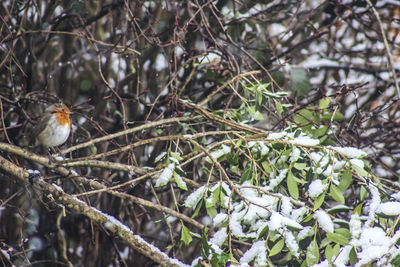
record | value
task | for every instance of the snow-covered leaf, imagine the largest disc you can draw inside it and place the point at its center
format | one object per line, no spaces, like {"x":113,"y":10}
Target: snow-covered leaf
{"x":312,"y":255}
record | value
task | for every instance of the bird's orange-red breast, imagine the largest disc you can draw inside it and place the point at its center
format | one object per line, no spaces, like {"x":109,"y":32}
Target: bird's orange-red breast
{"x":54,"y":126}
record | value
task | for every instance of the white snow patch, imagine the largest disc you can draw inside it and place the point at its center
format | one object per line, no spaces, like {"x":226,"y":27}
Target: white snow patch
{"x":166,"y":175}
{"x":220,"y":152}
{"x":192,"y":200}
{"x":350,"y":152}
{"x":355,"y":226}
{"x":389,"y":208}
{"x":219,"y":237}
{"x":316,"y":188}
{"x":305,"y":141}
{"x":219,"y":219}
{"x":306,"y":232}
{"x":257,"y":252}
{"x":291,"y":243}
{"x":374,"y":243}
{"x":324,"y":221}
{"x":343,"y":257}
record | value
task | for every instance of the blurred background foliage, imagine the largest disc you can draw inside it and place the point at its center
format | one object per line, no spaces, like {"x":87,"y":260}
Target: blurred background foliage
{"x":120,"y":63}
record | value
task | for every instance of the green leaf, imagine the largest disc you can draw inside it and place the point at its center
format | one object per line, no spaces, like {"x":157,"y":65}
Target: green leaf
{"x":232,"y":259}
{"x":300,"y":166}
{"x":220,"y":260}
{"x":319,"y":200}
{"x":396,"y":260}
{"x":222,"y":200}
{"x":298,"y":180}
{"x":363,"y":193}
{"x":247,"y":174}
{"x":179,"y":181}
{"x":263,"y":231}
{"x":353,"y":257}
{"x":275,"y":95}
{"x":276,"y":248}
{"x":160,"y":157}
{"x":198,"y":207}
{"x":304,"y":117}
{"x":344,"y":232}
{"x":308,"y":218}
{"x":339,"y":208}
{"x":361,"y":171}
{"x":186,"y":236}
{"x":292,"y":186}
{"x":336,"y":194}
{"x":266,"y":166}
{"x":254,"y":113}
{"x":299,"y":81}
{"x":205,"y":247}
{"x":279,"y":107}
{"x":324,"y":102}
{"x":320,"y":132}
{"x":346,"y":179}
{"x":312,"y":256}
{"x":338,"y":238}
{"x":212,"y":212}
{"x":331,"y":252}
{"x":358,"y":209}
{"x":179,"y":170}
{"x":175,"y":155}
{"x":337,"y":116}
{"x":214,"y":197}
{"x":259,"y":100}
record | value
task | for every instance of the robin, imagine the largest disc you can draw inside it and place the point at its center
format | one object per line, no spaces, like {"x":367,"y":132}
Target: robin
{"x":54,"y":126}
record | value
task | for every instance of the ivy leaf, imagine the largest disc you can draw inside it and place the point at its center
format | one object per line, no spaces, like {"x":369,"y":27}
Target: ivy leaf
{"x":186,"y":236}
{"x":213,"y":199}
{"x":212,"y":212}
{"x":254,"y":113}
{"x":179,"y":181}
{"x":279,"y":107}
{"x":198,"y":207}
{"x":205,"y":247}
{"x":247,"y":174}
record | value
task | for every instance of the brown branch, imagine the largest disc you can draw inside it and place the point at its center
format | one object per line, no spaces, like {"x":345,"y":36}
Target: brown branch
{"x":128,"y":131}
{"x":76,"y":205}
{"x":67,"y":173}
